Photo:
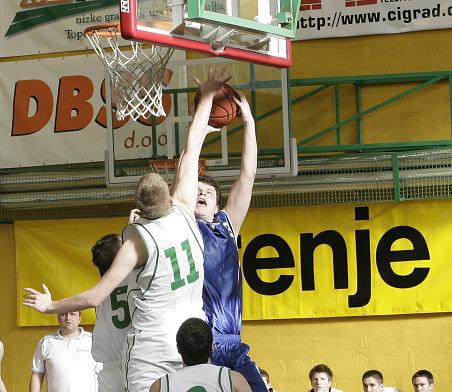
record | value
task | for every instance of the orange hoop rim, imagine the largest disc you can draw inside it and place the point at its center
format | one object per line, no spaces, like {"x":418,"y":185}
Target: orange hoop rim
{"x":104,"y":30}
{"x":164,"y":164}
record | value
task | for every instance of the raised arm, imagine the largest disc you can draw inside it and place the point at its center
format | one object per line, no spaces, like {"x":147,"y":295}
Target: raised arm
{"x":185,"y":184}
{"x":242,"y":189}
{"x":132,"y":254}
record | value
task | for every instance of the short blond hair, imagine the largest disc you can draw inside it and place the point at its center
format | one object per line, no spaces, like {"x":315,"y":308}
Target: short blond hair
{"x":152,"y":196}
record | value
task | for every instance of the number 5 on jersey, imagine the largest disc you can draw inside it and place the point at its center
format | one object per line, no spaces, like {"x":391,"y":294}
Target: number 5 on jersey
{"x":117,"y":304}
{"x":193,"y":276}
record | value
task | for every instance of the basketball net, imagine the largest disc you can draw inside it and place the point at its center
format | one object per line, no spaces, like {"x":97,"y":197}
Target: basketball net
{"x":136,"y":75}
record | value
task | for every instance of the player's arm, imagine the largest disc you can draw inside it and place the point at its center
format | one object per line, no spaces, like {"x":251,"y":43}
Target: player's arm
{"x":185,"y":183}
{"x":242,"y":189}
{"x":155,"y":387}
{"x":36,"y":382}
{"x":132,"y":254}
{"x":239,"y":383}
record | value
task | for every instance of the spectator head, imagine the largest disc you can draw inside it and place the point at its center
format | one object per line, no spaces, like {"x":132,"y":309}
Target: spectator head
{"x":423,"y":381}
{"x":69,"y":322}
{"x":372,"y":381}
{"x":321,"y":377}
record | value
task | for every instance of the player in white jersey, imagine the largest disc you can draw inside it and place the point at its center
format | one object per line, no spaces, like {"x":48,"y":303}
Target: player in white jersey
{"x":112,"y":317}
{"x":194,"y":343}
{"x":170,"y":284}
{"x":170,"y":271}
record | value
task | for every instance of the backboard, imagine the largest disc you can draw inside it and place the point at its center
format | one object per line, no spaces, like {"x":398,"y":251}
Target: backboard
{"x":257,"y":31}
{"x":131,"y":146}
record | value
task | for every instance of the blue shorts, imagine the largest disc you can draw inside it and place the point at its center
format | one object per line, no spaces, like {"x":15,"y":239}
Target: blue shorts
{"x":229,"y":351}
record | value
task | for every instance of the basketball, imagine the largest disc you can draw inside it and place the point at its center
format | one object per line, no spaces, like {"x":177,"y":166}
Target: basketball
{"x":224,"y":109}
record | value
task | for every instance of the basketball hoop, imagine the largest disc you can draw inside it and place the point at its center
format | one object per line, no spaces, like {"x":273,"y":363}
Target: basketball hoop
{"x":137,"y":76}
{"x":167,"y":168}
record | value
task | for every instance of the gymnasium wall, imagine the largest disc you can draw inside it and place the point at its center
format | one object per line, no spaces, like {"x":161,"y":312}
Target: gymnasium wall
{"x":396,"y":345}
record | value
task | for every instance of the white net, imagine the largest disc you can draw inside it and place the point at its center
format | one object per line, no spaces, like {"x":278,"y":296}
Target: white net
{"x":136,"y":75}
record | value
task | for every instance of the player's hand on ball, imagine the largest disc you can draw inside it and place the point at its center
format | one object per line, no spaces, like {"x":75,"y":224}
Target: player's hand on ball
{"x":244,"y":106}
{"x":36,"y":300}
{"x":216,"y":79}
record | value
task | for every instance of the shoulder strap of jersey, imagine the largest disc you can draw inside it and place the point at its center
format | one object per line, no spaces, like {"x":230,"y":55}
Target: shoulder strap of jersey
{"x":193,"y":227}
{"x":146,"y":245}
{"x":164,"y":383}
{"x":224,"y":378}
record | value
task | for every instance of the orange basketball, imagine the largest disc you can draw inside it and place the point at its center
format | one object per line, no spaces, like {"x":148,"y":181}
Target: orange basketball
{"x":224,"y":109}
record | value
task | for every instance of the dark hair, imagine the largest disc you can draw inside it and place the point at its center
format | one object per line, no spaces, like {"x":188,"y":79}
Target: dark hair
{"x":373,"y":373}
{"x":194,"y":341}
{"x":321,"y":369}
{"x":152,"y":196}
{"x":210,"y":181}
{"x":104,"y":251}
{"x":423,"y":373}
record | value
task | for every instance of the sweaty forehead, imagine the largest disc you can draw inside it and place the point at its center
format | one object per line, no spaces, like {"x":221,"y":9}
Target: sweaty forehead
{"x":370,"y":381}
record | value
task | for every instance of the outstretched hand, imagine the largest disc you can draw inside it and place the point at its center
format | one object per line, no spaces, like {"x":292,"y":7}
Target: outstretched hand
{"x":36,"y":300}
{"x":216,"y":79}
{"x":244,"y":106}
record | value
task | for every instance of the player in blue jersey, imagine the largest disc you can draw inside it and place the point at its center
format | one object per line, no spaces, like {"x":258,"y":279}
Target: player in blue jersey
{"x":222,"y":292}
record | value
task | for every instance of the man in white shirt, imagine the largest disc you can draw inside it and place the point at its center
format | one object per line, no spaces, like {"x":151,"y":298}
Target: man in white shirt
{"x":64,"y":358}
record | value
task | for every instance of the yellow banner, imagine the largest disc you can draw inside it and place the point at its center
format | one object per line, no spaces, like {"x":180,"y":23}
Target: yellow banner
{"x":298,"y":262}
{"x":330,"y":261}
{"x":58,"y":253}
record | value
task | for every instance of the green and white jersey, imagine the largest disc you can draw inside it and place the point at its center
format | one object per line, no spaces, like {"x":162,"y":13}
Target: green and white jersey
{"x":199,"y":378}
{"x":171,"y":280}
{"x":113,"y":321}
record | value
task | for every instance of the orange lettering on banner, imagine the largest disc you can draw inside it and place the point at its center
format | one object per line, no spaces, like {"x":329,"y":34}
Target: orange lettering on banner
{"x":101,"y":117}
{"x":25,"y":91}
{"x":69,"y":103}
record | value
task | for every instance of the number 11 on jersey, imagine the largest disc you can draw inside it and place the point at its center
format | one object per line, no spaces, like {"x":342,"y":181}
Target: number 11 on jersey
{"x":193,"y":276}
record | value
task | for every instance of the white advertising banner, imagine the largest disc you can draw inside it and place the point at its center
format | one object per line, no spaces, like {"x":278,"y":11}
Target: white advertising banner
{"x":46,"y":26}
{"x":53,"y":112}
{"x":342,"y":18}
